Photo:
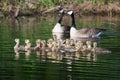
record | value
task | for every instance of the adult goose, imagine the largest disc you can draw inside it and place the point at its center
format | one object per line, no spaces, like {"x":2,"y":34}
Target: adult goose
{"x":84,"y":32}
{"x":59,"y":28}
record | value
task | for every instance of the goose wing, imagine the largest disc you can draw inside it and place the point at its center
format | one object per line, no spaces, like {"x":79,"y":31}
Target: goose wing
{"x":90,"y":31}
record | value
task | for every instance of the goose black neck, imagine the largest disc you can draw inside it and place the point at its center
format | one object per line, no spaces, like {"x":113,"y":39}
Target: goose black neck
{"x":73,"y":20}
{"x":61,"y":17}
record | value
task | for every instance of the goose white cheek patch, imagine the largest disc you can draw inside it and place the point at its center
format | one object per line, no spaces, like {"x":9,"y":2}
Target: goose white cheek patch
{"x":61,"y":11}
{"x":70,"y":12}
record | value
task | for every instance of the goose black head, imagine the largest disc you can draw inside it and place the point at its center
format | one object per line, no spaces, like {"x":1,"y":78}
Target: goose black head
{"x":61,"y":11}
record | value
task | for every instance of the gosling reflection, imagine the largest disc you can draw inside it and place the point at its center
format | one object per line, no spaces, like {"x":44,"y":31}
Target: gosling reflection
{"x":16,"y":55}
{"x":57,"y":57}
{"x":27,"y":54}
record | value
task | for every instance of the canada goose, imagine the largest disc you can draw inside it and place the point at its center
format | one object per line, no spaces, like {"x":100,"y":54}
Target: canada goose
{"x":84,"y":32}
{"x":98,"y":49}
{"x":17,"y":47}
{"x":58,"y":28}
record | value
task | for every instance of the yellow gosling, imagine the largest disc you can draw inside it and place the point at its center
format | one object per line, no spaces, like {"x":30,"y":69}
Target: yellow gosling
{"x":99,"y":49}
{"x":67,"y":44}
{"x":17,"y":47}
{"x":72,"y":43}
{"x":89,"y":45}
{"x":61,"y":42}
{"x":58,"y":44}
{"x":54,"y":47}
{"x":37,"y":47}
{"x":44,"y":48}
{"x":54,"y":37}
{"x":78,"y":46}
{"x":84,"y":48}
{"x":28,"y":45}
{"x":49,"y":43}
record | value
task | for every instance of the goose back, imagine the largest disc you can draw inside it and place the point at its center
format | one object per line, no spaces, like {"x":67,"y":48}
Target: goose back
{"x":84,"y":32}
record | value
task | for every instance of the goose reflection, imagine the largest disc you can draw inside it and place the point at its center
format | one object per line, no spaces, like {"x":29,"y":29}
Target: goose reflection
{"x":57,"y":57}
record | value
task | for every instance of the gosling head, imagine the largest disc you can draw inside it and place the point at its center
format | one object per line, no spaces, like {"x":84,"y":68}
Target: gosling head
{"x":38,"y":41}
{"x":27,"y":41}
{"x":84,"y":47}
{"x":50,"y":41}
{"x":95,"y":44}
{"x":17,"y":40}
{"x":88,"y":42}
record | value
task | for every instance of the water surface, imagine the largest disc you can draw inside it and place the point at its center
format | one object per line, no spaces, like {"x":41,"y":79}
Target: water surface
{"x":58,"y":66}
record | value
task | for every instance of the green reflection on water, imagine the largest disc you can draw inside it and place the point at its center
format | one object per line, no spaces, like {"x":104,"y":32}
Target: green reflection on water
{"x":106,"y":66}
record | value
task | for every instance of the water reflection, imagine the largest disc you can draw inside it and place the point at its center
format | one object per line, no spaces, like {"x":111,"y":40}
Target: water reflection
{"x":27,"y":54}
{"x":56,"y":65}
{"x":16,"y":55}
{"x":58,"y":57}
{"x":58,"y":49}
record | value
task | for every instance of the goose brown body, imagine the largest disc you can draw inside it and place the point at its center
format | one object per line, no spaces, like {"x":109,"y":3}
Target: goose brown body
{"x":84,"y":32}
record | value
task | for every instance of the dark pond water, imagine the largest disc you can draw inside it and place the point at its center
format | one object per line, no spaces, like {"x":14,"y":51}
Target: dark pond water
{"x":57,"y":66}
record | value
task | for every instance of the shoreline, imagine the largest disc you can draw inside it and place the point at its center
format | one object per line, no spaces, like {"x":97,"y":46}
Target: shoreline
{"x":82,"y":9}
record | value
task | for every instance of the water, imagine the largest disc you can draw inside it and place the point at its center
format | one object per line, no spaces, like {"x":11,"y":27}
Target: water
{"x":57,"y":66}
